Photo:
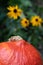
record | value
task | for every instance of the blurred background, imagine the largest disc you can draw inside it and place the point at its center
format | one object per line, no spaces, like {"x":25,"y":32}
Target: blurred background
{"x":10,"y":27}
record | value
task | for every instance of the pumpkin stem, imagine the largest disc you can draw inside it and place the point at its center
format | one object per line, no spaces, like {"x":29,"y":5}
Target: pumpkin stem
{"x":15,"y":38}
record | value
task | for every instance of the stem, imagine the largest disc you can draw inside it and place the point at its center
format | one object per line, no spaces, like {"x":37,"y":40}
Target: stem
{"x":15,"y":38}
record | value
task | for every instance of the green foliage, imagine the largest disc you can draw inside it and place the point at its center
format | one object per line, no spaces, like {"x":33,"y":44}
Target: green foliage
{"x":10,"y":27}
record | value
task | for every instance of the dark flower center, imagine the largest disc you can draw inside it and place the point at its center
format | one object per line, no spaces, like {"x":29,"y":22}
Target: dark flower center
{"x":26,"y":22}
{"x":15,"y":10}
{"x":36,"y":20}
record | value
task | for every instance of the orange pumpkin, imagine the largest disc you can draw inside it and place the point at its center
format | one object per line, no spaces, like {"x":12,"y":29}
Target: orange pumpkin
{"x":19,"y":52}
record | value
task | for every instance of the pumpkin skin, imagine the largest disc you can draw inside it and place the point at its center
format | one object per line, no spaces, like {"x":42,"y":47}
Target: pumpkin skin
{"x":19,"y":53}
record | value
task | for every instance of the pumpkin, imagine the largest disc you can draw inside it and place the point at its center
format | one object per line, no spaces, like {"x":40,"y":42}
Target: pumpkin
{"x":17,"y":51}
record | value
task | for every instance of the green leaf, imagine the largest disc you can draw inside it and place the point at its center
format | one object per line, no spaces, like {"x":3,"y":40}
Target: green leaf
{"x":30,"y":13}
{"x":14,"y":2}
{"x":29,"y":39}
{"x":26,"y":3}
{"x":22,"y":33}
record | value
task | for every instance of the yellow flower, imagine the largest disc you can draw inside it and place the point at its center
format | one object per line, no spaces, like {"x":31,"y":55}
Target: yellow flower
{"x":36,"y":21}
{"x":24,"y":22}
{"x":14,"y":12}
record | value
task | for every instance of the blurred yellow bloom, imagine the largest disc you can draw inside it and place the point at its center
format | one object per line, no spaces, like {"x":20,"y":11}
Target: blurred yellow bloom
{"x":14,"y":12}
{"x":36,"y":21}
{"x":24,"y":22}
